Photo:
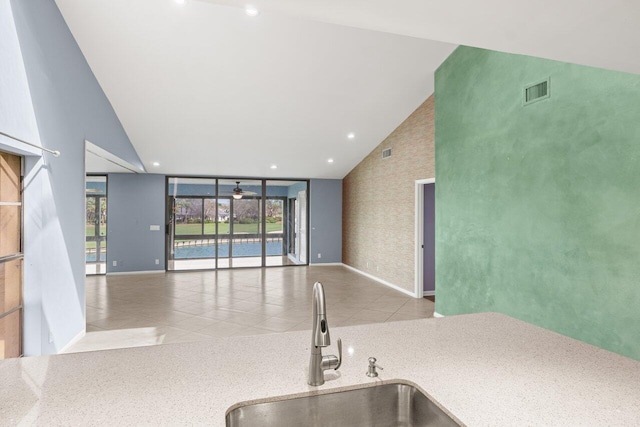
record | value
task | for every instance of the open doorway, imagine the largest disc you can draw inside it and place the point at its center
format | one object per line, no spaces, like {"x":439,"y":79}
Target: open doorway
{"x":425,"y":285}
{"x":96,"y":224}
{"x":98,"y":164}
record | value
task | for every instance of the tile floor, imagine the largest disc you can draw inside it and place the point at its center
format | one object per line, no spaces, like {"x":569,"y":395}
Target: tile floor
{"x":138,"y":310}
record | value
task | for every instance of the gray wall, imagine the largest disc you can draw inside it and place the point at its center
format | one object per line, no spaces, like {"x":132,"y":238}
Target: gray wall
{"x":325,"y":235}
{"x":134,"y":202}
{"x":70,"y":107}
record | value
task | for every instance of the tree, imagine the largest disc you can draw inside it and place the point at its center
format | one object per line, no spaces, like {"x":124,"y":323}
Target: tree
{"x":91,"y":210}
{"x":246,"y":209}
{"x":273,"y":208}
{"x":188,"y":209}
{"x":209,"y":209}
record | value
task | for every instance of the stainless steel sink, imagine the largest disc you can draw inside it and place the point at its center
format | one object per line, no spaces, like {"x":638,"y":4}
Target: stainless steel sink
{"x":398,"y":405}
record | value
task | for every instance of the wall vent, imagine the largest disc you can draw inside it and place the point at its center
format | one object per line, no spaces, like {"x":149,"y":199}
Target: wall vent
{"x":537,"y":92}
{"x":386,"y":153}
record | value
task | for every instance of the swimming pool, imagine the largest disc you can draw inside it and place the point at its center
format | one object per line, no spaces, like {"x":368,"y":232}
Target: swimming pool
{"x":209,"y":251}
{"x":239,"y":250}
{"x":91,"y":257}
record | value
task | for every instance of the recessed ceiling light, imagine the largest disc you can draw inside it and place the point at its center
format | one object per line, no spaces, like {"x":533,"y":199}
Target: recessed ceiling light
{"x":156,"y":164}
{"x":330,"y":161}
{"x":251,"y":11}
{"x":180,"y":1}
{"x":351,"y":135}
{"x":274,"y":166}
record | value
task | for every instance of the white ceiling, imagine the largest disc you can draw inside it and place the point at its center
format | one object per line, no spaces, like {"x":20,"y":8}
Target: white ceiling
{"x":204,"y":89}
{"x":599,"y":33}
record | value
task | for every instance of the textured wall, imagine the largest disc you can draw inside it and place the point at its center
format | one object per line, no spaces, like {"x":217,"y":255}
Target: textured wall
{"x":379,"y":197}
{"x":537,"y":208}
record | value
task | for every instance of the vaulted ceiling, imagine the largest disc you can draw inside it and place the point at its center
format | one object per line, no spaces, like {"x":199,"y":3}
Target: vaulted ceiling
{"x":203,"y":89}
{"x":598,"y":33}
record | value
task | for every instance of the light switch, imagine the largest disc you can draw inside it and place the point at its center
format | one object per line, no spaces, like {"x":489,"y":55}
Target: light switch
{"x":154,"y":228}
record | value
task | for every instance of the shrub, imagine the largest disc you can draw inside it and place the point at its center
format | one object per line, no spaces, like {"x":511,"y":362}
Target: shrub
{"x":248,"y":221}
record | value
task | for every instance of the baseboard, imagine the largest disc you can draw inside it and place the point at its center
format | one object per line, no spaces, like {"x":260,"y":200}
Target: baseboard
{"x":429,"y":293}
{"x":379,"y":280}
{"x":436,"y":314}
{"x":74,"y":340}
{"x":322,"y":264}
{"x":121,"y":273}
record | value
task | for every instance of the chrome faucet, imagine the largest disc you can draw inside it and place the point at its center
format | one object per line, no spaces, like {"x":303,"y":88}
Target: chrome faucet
{"x":320,"y":338}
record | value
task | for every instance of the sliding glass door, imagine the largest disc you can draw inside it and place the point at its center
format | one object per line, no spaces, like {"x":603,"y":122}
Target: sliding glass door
{"x":96,"y":225}
{"x":191,"y":229}
{"x":243,"y":247}
{"x":230,"y":223}
{"x":274,"y":230}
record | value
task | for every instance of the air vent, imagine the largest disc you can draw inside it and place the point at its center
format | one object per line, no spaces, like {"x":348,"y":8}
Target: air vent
{"x":386,"y":153}
{"x":536,"y":92}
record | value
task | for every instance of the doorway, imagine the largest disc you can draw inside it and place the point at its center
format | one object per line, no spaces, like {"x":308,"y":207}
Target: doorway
{"x":96,"y":225}
{"x":11,"y":256}
{"x":425,"y":284}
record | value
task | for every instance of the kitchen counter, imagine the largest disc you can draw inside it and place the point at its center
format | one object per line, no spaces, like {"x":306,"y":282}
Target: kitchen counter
{"x":485,"y":369}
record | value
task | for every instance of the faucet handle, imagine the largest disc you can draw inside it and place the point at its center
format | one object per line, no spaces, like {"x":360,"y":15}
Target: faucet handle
{"x":333,"y":362}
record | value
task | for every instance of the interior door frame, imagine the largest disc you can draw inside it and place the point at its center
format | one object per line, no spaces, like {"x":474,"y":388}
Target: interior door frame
{"x":419,"y":237}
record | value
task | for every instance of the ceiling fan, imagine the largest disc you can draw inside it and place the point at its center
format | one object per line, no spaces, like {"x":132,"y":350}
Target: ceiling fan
{"x":238,"y":192}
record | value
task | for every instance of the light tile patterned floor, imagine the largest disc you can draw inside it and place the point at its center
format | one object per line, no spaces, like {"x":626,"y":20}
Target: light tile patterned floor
{"x":138,"y":310}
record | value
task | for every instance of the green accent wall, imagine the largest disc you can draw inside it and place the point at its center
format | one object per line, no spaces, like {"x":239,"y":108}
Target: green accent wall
{"x":538,"y":206}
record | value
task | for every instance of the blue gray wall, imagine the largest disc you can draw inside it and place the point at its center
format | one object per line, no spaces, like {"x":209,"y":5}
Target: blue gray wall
{"x":325,"y":231}
{"x":137,"y":201}
{"x":70,"y":107}
{"x":134,"y":202}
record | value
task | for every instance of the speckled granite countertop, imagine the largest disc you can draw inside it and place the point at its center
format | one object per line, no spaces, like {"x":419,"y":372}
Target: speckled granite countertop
{"x":486,"y":369}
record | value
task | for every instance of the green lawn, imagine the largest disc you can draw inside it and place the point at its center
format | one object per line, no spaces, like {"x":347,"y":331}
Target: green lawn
{"x":223,"y":228}
{"x":90,"y":230}
{"x":92,"y":245}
